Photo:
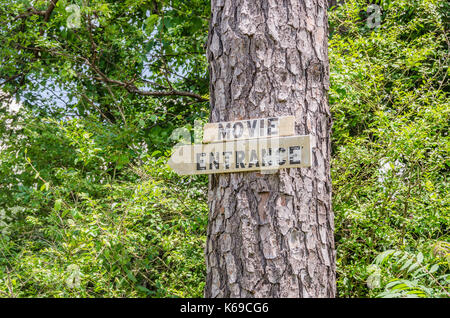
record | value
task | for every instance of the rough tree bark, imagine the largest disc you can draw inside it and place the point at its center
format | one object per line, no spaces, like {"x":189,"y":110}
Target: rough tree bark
{"x":271,"y":235}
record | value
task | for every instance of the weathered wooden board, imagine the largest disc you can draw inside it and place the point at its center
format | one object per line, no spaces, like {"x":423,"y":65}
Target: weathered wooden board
{"x":249,"y":129}
{"x":242,"y":155}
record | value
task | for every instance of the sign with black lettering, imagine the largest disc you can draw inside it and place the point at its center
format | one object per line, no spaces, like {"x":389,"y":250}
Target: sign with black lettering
{"x":242,"y":155}
{"x":249,"y":129}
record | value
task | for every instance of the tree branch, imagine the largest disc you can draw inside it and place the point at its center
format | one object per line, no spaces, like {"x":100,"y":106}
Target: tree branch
{"x":44,"y":13}
{"x":130,"y":87}
{"x":50,"y":9}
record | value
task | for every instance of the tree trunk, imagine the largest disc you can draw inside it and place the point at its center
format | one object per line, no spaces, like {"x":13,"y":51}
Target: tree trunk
{"x":271,"y":235}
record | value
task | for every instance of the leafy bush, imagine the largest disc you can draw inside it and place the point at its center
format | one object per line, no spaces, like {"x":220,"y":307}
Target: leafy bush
{"x":406,"y":274}
{"x":74,"y":228}
{"x":389,"y":98}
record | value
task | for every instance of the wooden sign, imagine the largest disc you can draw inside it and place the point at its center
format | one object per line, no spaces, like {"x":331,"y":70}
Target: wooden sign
{"x":249,"y":129}
{"x":242,"y":155}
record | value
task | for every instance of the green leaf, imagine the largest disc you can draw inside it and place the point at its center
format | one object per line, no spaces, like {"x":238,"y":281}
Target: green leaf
{"x":150,"y":22}
{"x":64,"y":213}
{"x":419,"y":257}
{"x":393,"y":283}
{"x":406,"y":265}
{"x":434,"y":268}
{"x":45,"y":187}
{"x":383,"y":256}
{"x":131,"y":276}
{"x":57,"y":206}
{"x":413,"y":267}
{"x":144,"y":289}
{"x":401,"y":286}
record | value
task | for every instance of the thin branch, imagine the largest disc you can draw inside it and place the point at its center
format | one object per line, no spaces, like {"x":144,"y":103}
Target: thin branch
{"x":30,"y":11}
{"x":9,"y":284}
{"x":130,"y":87}
{"x":10,"y":78}
{"x":95,"y":106}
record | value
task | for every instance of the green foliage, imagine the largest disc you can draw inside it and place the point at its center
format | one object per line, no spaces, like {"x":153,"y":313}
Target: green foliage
{"x":409,"y":275}
{"x":93,"y":231}
{"x":88,"y":207}
{"x":389,"y":99}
